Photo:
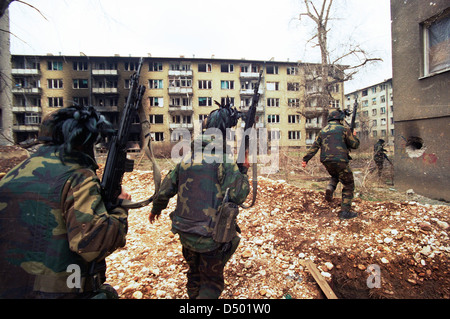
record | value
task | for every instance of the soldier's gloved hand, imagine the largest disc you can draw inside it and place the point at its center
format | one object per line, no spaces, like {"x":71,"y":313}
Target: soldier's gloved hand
{"x":153,"y":217}
{"x":304,"y":164}
{"x":124,"y":194}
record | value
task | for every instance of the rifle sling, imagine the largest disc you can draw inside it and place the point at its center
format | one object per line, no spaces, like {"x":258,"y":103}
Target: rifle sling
{"x":254,"y":184}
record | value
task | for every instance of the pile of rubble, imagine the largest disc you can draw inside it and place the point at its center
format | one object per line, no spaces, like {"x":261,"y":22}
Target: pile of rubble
{"x":407,"y":241}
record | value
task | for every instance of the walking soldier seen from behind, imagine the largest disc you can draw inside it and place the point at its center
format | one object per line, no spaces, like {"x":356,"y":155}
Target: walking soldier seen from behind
{"x":209,"y":188}
{"x":334,"y":142}
{"x":55,"y":230}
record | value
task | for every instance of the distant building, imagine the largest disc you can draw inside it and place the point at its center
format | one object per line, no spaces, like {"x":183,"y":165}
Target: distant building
{"x":421,"y":80}
{"x":179,"y":92}
{"x":375,"y":115}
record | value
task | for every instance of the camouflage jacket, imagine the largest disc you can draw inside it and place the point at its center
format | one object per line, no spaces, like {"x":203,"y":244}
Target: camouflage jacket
{"x":334,"y":142}
{"x":52,"y":216}
{"x":200,"y":184}
{"x":379,"y":152}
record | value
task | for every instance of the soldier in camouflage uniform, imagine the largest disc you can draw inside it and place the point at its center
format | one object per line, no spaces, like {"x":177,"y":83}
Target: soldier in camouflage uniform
{"x":334,"y":142}
{"x":379,"y":155}
{"x":53,"y":222}
{"x":200,"y":183}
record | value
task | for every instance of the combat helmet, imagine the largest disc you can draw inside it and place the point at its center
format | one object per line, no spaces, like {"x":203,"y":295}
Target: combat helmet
{"x":74,"y":128}
{"x":336,"y":115}
{"x":224,"y":117}
{"x":45,"y":134}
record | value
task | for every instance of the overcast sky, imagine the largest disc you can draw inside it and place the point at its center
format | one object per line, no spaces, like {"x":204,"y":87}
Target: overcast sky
{"x":235,"y":29}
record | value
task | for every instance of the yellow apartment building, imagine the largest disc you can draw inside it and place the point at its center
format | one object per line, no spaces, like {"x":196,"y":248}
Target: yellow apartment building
{"x":180,"y":92}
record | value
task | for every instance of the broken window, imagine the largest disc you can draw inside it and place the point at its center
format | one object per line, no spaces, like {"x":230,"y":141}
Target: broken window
{"x":204,"y":67}
{"x":205,"y":84}
{"x":292,"y":70}
{"x":273,"y":102}
{"x":204,"y":101}
{"x":273,"y":118}
{"x":293,"y":119}
{"x":227,"y":68}
{"x":55,"y":83}
{"x":156,"y":119}
{"x":80,"y":83}
{"x":293,"y":86}
{"x":55,"y":102}
{"x":272,"y":86}
{"x":155,"y":67}
{"x":155,"y":84}
{"x":272,"y":69}
{"x":156,"y":101}
{"x":54,"y":65}
{"x":295,"y":135}
{"x":80,"y":66}
{"x":436,"y":35}
{"x":227,"y":85}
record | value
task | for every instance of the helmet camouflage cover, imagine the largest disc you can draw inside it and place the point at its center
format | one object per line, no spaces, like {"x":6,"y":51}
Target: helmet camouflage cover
{"x":336,"y":115}
{"x":224,"y":117}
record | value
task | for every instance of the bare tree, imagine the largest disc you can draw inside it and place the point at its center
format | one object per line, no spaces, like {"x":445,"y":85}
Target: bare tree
{"x":321,"y":79}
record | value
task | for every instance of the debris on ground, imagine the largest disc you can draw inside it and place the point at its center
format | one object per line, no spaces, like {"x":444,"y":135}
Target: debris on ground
{"x":406,"y":241}
{"x":397,"y":248}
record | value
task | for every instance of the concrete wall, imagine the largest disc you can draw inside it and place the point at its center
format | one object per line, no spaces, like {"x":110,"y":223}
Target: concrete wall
{"x":421,"y":102}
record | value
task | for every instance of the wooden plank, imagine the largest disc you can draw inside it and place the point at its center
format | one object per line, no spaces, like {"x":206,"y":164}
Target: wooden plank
{"x":320,"y":280}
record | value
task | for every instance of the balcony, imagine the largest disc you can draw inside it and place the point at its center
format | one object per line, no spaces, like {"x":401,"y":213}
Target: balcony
{"x":180,"y":90}
{"x":25,"y":71}
{"x":181,"y":108}
{"x":251,"y":91}
{"x":313,"y":126}
{"x":105,"y":72}
{"x":313,"y":111}
{"x":180,"y":72}
{"x":189,"y":126}
{"x":106,"y":109}
{"x":104,"y":90}
{"x":249,"y":75}
{"x":26,"y":90}
{"x":259,"y":108}
{"x":31,"y":109}
{"x":26,"y":128}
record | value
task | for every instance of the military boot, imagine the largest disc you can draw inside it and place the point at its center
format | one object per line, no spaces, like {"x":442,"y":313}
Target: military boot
{"x":329,"y":194}
{"x":347,"y":214}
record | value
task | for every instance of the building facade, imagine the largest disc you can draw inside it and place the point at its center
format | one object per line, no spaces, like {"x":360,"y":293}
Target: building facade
{"x":421,"y":73}
{"x":375,"y":115}
{"x":180,"y":92}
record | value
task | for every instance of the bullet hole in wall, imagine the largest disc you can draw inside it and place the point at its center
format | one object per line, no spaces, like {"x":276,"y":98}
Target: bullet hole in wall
{"x":415,"y":146}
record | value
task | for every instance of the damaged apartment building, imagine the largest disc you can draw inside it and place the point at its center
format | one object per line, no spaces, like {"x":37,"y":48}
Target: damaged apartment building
{"x":180,"y":92}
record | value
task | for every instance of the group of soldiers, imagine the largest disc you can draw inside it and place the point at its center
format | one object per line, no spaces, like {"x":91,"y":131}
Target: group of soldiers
{"x":52,"y":214}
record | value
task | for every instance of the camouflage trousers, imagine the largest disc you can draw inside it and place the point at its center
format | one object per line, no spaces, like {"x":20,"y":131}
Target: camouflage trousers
{"x":205,"y":275}
{"x":341,"y":172}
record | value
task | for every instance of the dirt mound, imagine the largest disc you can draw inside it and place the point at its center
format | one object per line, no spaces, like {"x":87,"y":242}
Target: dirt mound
{"x":407,"y":241}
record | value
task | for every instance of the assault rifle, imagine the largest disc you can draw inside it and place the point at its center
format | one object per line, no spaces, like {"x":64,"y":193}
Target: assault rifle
{"x":117,"y":162}
{"x":249,"y":119}
{"x":352,"y":123}
{"x":345,"y":113}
